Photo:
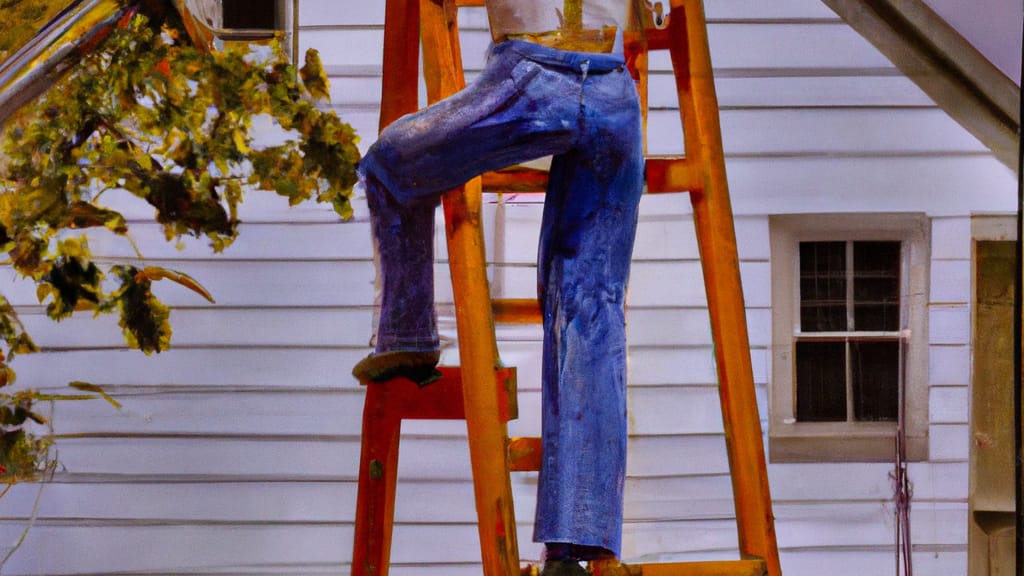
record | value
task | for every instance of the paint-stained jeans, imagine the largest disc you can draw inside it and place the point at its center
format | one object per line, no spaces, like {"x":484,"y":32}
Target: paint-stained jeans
{"x":532,"y":101}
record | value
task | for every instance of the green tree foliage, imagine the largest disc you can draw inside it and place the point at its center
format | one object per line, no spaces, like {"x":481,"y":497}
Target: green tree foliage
{"x":148,"y":114}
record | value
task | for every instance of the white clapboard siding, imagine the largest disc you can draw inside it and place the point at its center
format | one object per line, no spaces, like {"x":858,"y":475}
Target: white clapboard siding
{"x":236,"y":452}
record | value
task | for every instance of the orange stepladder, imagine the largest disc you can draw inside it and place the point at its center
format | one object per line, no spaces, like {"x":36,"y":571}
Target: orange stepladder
{"x":488,"y":399}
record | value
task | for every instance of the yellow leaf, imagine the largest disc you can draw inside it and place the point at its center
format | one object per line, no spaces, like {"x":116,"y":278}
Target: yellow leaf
{"x":86,"y":387}
{"x":239,"y":138}
{"x":43,"y":292}
{"x":157,"y":273}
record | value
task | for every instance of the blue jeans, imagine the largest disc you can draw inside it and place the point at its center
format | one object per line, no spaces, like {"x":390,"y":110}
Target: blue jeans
{"x":533,"y":101}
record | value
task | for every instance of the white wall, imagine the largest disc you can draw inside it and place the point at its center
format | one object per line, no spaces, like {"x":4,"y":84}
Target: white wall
{"x":236,"y":451}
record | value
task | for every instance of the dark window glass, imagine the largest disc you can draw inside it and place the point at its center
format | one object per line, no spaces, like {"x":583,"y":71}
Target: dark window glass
{"x":876,"y":379}
{"x":823,"y":286}
{"x":249,"y":14}
{"x":820,"y":381}
{"x":840,"y":282}
{"x":876,"y":286}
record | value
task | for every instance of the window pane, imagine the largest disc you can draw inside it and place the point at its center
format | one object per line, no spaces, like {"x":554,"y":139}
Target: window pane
{"x":876,"y":286}
{"x":876,"y":378}
{"x":822,"y":286}
{"x":249,"y":14}
{"x":821,"y":382}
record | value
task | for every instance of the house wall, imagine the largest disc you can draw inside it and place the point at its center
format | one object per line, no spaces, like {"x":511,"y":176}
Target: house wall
{"x":236,"y":451}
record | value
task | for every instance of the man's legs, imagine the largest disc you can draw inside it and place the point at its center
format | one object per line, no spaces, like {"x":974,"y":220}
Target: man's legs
{"x":517,"y":110}
{"x":586,"y":246}
{"x":522,"y":109}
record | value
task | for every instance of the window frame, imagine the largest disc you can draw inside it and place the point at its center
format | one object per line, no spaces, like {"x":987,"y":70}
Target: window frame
{"x":792,"y":441}
{"x":285,"y":24}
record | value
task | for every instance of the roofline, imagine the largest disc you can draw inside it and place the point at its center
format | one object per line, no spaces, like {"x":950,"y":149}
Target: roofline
{"x":944,"y":65}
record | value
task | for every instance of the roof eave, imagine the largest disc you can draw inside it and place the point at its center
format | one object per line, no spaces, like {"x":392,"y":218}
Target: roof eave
{"x":944,"y":65}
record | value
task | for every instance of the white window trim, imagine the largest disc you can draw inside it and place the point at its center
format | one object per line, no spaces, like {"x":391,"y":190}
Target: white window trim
{"x":791,"y":441}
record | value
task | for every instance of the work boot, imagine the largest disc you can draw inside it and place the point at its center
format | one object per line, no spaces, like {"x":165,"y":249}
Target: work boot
{"x":418,"y":366}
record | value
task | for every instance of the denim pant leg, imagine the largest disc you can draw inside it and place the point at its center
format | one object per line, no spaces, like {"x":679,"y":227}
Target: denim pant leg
{"x":586,"y":246}
{"x":517,"y":110}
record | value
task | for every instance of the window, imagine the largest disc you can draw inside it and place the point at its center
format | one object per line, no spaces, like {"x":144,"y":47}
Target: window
{"x":246,"y":21}
{"x":251,"y":14}
{"x":849,"y":338}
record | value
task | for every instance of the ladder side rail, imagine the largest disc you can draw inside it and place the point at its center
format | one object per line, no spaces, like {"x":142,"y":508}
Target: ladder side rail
{"x":375,"y":502}
{"x":713,"y":220}
{"x":488,"y":436}
{"x":378,"y":466}
{"x":400,"y":74}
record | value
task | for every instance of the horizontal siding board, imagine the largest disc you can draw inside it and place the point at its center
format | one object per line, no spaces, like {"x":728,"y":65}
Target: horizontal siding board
{"x":216,"y":327}
{"x":928,"y":561}
{"x":175,"y":549}
{"x":418,"y":502}
{"x":334,"y":13}
{"x":236,"y":412}
{"x":866,"y":524}
{"x":934,"y":185}
{"x":231,"y":367}
{"x":249,"y":283}
{"x":312,"y":457}
{"x":826,"y":482}
{"x":256,"y":241}
{"x":674,"y":410}
{"x":823,"y":131}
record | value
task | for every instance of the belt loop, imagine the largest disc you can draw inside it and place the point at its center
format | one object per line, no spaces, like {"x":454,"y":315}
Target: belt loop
{"x":584,"y":68}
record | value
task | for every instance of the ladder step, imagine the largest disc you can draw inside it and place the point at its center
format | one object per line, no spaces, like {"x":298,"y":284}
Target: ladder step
{"x":753,"y":567}
{"x":664,"y":174}
{"x":517,"y":179}
{"x":673,"y":174}
{"x":516,"y":310}
{"x":440,"y":400}
{"x":524,"y":454}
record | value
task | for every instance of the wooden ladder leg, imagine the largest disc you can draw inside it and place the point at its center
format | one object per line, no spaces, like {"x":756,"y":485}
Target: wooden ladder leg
{"x":378,"y":464}
{"x":488,"y":434}
{"x":378,"y":474}
{"x":716,"y":237}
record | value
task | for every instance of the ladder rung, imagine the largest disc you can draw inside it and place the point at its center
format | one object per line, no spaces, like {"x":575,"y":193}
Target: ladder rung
{"x":755,"y":567}
{"x":440,"y":400}
{"x":516,"y":179}
{"x":461,"y":3}
{"x":673,"y":174}
{"x":664,"y":174}
{"x":516,"y":310}
{"x":657,"y":39}
{"x":524,"y":454}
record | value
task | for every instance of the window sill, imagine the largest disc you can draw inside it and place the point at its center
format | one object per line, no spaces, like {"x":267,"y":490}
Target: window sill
{"x":841,"y":442}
